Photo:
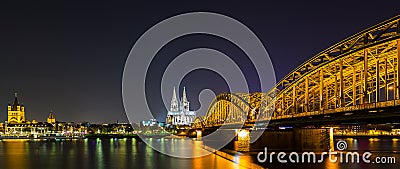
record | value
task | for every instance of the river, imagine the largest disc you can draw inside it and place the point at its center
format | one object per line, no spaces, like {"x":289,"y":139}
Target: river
{"x":133,"y":153}
{"x":97,"y":153}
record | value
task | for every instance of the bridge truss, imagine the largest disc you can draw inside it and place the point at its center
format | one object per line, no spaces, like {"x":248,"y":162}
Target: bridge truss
{"x":361,"y":72}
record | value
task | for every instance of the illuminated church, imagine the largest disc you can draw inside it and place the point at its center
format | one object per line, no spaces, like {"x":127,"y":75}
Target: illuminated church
{"x":16,"y":112}
{"x":18,"y":125}
{"x":179,"y":113}
{"x":51,"y":119}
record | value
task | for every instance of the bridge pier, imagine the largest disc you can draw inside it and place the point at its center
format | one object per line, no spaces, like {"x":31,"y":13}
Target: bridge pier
{"x":199,"y":134}
{"x":243,"y":140}
{"x":294,"y":139}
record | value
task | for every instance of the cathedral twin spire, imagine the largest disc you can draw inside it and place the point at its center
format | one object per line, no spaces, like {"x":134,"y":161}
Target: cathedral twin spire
{"x":174,"y":102}
{"x":184,"y":105}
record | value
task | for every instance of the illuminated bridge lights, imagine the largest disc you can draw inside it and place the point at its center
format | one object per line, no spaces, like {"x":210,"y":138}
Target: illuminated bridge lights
{"x":361,"y":72}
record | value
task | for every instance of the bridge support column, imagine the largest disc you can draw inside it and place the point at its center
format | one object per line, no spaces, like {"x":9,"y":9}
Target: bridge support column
{"x":397,"y":82}
{"x":283,"y":103}
{"x":199,"y":134}
{"x":294,"y":99}
{"x":306,"y":96}
{"x":243,"y":140}
{"x":327,"y":97}
{"x":365,"y":77}
{"x":377,"y":82}
{"x":341,"y":84}
{"x":321,"y":90}
{"x":386,"y":82}
{"x":335,"y":92}
{"x":354,"y":83}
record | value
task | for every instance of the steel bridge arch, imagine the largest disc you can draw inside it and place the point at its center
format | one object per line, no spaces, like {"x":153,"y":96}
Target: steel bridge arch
{"x":360,"y":72}
{"x":234,"y":108}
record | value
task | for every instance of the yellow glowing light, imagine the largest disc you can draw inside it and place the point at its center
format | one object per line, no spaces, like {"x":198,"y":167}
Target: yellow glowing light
{"x":390,"y":87}
{"x":243,"y":134}
{"x":199,"y":133}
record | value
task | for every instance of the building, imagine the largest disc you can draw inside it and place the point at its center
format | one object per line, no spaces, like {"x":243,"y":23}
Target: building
{"x":16,"y":112}
{"x":27,"y":129}
{"x":180,"y":113}
{"x":151,"y":122}
{"x":2,"y":128}
{"x":149,"y":125}
{"x":18,"y":125}
{"x":51,"y":119}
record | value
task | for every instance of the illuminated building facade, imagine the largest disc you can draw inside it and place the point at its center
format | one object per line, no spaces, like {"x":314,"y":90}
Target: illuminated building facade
{"x":180,"y":113}
{"x":51,"y":119}
{"x":16,"y":112}
{"x":18,"y":125}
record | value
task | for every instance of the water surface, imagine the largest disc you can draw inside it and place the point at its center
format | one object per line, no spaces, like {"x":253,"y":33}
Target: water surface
{"x":97,"y":153}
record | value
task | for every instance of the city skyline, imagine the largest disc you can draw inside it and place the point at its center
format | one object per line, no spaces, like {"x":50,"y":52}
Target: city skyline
{"x":72,"y":62}
{"x":200,"y":84}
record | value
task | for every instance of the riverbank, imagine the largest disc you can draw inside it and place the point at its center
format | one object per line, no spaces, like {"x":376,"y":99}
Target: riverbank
{"x":234,"y":156}
{"x":367,"y":136}
{"x":111,"y":136}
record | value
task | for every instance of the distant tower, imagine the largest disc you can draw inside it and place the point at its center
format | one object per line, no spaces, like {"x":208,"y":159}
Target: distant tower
{"x":16,"y":112}
{"x":51,"y":119}
{"x":174,"y":102}
{"x":185,"y":102}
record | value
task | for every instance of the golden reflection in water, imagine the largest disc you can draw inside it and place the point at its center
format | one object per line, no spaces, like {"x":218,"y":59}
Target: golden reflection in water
{"x":197,"y":149}
{"x":16,"y":154}
{"x":243,"y":160}
{"x":352,"y":143}
{"x":198,"y":163}
{"x":330,"y":165}
{"x":213,"y":161}
{"x":331,"y":142}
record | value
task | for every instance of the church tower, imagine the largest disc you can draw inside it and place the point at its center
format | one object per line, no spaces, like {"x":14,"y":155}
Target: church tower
{"x":179,"y":113}
{"x":16,"y":112}
{"x":174,"y":102}
{"x":51,"y":119}
{"x":185,"y":102}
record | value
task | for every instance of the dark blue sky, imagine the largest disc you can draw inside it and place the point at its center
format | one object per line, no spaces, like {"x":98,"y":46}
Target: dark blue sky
{"x":69,"y":56}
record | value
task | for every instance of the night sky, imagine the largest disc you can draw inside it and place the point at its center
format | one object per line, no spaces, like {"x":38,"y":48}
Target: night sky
{"x":69,"y":56}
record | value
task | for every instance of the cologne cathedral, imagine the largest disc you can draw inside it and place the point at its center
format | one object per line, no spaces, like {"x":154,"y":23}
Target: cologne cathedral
{"x":180,"y":113}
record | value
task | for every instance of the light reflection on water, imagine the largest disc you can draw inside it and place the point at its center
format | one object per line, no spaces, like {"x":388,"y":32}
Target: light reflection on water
{"x":383,"y":147}
{"x":130,"y":153}
{"x":373,"y":144}
{"x":100,"y":153}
